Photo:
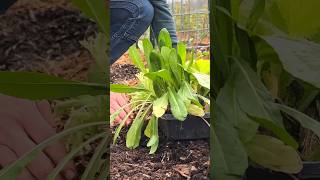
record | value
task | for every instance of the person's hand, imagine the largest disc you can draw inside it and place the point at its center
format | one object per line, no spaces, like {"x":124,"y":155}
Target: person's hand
{"x":117,"y":101}
{"x":23,"y":125}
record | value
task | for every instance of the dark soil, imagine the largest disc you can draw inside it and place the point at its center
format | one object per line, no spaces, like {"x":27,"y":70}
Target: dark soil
{"x":122,"y":72}
{"x":173,"y":159}
{"x":31,"y":35}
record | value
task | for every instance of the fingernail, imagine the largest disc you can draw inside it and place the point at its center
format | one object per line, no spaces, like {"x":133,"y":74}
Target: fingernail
{"x":70,"y":174}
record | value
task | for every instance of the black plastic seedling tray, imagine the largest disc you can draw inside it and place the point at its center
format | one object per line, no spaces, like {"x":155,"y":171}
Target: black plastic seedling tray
{"x":310,"y":171}
{"x":191,"y":128}
{"x":255,"y":173}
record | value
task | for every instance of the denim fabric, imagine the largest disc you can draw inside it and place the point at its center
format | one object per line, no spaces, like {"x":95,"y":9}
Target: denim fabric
{"x":131,"y":18}
{"x":163,"y":19}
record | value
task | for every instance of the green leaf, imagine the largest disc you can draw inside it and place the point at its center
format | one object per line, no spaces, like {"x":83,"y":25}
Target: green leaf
{"x":147,"y":49}
{"x":93,"y":166}
{"x":175,"y":68}
{"x":256,"y":12}
{"x":203,"y":66}
{"x":136,"y":58}
{"x":230,"y":159}
{"x":182,"y":52}
{"x":98,"y":48}
{"x":160,"y":106}
{"x":206,"y":100}
{"x":271,"y":153}
{"x":53,"y":174}
{"x":203,"y":79}
{"x":148,"y":130}
{"x":166,"y":54}
{"x":164,"y":38}
{"x":120,"y":88}
{"x":155,"y":61}
{"x":178,"y":109}
{"x":277,"y":130}
{"x":299,"y":57}
{"x":117,"y":132}
{"x":134,"y":134}
{"x":37,"y":86}
{"x":227,"y":99}
{"x":96,"y":10}
{"x":293,"y":15}
{"x":163,"y":73}
{"x":305,"y":121}
{"x":154,"y":147}
{"x":186,"y":92}
{"x":154,"y":136}
{"x":257,"y":102}
{"x":195,"y":110}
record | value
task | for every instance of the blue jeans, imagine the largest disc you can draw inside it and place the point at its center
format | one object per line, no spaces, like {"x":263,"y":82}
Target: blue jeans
{"x":129,"y":20}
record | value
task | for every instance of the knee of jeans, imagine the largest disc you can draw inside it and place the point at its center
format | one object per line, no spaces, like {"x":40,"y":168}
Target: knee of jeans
{"x":146,"y":12}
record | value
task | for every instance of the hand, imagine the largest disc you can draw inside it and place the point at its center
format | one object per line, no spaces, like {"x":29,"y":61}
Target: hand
{"x":23,"y":125}
{"x":117,"y":101}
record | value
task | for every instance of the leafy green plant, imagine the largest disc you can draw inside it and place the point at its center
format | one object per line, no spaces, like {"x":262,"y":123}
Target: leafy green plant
{"x":84,"y":102}
{"x":170,"y":82}
{"x":255,"y":61}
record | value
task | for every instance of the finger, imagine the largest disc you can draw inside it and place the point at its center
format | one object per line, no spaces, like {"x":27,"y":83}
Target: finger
{"x":122,"y":115}
{"x":123,"y":100}
{"x":7,"y":156}
{"x":118,"y":120}
{"x":21,"y":144}
{"x":39,"y":130}
{"x":45,"y":110}
{"x":114,"y":104}
{"x":115,"y":107}
{"x":112,"y":111}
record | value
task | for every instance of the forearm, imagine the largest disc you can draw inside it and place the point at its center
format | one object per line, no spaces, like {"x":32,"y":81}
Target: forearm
{"x":163,"y":19}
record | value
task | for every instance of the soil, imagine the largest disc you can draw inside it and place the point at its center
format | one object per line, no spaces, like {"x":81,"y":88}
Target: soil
{"x":31,"y":35}
{"x":173,"y":160}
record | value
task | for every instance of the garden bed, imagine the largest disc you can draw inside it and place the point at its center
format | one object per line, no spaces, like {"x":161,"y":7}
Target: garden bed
{"x":173,"y":160}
